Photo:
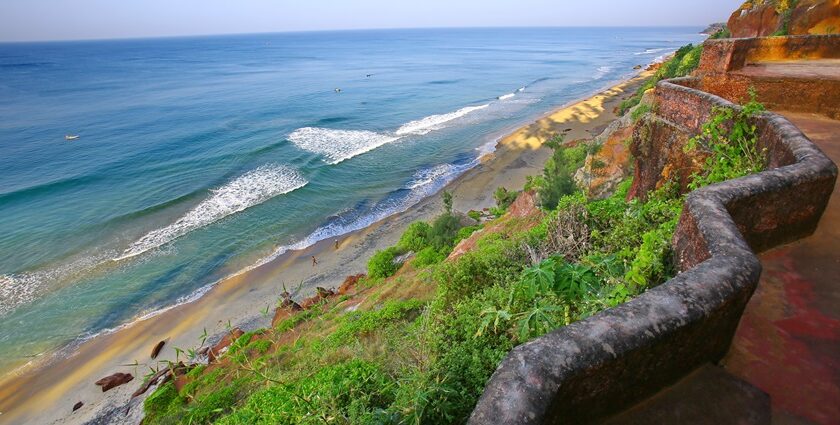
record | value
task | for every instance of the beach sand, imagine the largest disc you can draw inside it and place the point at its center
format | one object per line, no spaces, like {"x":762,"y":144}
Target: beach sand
{"x":46,"y":394}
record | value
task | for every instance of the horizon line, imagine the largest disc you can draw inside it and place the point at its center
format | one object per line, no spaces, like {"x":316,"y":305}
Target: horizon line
{"x":207,"y":35}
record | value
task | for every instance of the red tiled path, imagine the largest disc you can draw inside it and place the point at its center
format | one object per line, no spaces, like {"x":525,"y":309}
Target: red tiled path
{"x":788,"y":341}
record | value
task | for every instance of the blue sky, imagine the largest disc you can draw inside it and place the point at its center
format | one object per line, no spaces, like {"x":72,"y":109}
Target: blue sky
{"x":85,"y":19}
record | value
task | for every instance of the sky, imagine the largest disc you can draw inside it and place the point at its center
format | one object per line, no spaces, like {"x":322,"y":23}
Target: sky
{"x":38,"y":20}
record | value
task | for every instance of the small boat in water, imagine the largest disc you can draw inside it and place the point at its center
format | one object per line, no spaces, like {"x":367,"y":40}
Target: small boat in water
{"x":71,"y":137}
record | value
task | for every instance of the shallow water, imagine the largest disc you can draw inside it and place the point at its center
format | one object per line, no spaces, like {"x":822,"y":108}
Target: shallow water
{"x":198,"y":157}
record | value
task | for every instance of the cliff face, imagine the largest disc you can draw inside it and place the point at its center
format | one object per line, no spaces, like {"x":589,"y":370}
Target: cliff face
{"x":761,"y":18}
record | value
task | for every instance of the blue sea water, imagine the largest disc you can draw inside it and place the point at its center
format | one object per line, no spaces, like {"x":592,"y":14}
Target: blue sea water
{"x":198,"y":157}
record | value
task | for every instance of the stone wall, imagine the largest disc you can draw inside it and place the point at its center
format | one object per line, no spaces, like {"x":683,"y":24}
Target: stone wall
{"x":595,"y":367}
{"x":775,"y":67}
{"x":732,"y":54}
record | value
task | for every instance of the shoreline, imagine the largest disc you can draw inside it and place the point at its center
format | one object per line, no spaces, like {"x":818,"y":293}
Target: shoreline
{"x":46,"y":392}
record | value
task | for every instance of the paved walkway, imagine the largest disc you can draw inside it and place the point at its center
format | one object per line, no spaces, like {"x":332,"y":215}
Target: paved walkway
{"x":823,"y":69}
{"x":788,"y":341}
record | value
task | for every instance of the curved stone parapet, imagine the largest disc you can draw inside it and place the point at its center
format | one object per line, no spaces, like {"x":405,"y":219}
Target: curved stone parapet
{"x":598,"y":366}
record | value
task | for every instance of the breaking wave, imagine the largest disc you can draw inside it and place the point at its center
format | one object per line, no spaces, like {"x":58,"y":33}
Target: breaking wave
{"x":506,"y":96}
{"x":651,"y":51}
{"x":338,"y":145}
{"x":22,"y":288}
{"x":601,"y":72}
{"x":435,"y":122}
{"x":245,"y":191}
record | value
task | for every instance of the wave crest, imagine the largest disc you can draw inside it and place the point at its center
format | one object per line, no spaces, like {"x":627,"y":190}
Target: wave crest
{"x":245,"y":191}
{"x":435,"y":122}
{"x":338,"y":145}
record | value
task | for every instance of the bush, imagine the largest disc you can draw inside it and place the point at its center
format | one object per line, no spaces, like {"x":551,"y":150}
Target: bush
{"x":730,"y":140}
{"x":416,"y":237}
{"x":443,"y":232}
{"x":504,"y":197}
{"x":428,"y":256}
{"x":557,"y":179}
{"x":381,"y":264}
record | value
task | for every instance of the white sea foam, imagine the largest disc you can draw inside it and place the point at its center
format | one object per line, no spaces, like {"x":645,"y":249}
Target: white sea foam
{"x":651,"y":51}
{"x":506,"y":96}
{"x":430,"y":175}
{"x":601,"y":72}
{"x":245,"y":191}
{"x":435,"y":122}
{"x":521,"y":89}
{"x":22,"y":288}
{"x":338,"y":145}
{"x":423,"y":184}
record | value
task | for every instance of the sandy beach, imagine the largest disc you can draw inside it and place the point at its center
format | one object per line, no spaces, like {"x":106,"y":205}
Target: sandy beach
{"x":43,"y":394}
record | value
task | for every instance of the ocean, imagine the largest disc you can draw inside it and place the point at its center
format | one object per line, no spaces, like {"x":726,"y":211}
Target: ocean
{"x":200,"y":157}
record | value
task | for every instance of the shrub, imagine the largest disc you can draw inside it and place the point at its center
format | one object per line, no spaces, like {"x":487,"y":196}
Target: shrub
{"x":428,"y":256}
{"x":443,"y":232}
{"x":447,"y":202}
{"x":416,"y":237}
{"x":504,"y":197}
{"x":557,"y":179}
{"x":730,"y":140}
{"x":381,"y":264}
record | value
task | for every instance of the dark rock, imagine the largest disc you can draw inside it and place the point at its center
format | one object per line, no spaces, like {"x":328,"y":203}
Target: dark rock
{"x":287,"y":302}
{"x":637,"y":67}
{"x":157,"y":348}
{"x":151,"y":381}
{"x":224,"y":343}
{"x":78,"y":406}
{"x":320,"y":295}
{"x":350,"y":283}
{"x":114,"y":380}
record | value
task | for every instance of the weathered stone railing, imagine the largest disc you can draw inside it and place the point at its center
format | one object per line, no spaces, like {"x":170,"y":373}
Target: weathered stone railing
{"x":598,"y":366}
{"x":805,"y":82}
{"x":732,"y":54}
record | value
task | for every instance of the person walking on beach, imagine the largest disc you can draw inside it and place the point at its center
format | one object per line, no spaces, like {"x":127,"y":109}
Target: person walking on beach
{"x":314,"y":261}
{"x":336,"y":244}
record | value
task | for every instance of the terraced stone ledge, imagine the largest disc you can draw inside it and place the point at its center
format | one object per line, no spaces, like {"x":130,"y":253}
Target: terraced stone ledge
{"x":596,"y":367}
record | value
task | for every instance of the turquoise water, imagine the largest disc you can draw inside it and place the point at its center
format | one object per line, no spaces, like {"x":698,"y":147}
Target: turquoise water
{"x":198,"y":157}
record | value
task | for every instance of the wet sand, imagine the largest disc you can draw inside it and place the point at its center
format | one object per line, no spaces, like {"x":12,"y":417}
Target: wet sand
{"x":43,"y":394}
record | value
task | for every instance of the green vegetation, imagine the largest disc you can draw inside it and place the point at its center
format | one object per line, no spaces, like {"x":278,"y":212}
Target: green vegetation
{"x":785,"y":9}
{"x":557,"y":179}
{"x":417,"y":347}
{"x":723,"y":33}
{"x":684,"y":61}
{"x":729,"y":139}
{"x":382,"y":265}
{"x":504,"y":198}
